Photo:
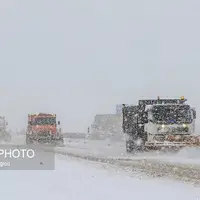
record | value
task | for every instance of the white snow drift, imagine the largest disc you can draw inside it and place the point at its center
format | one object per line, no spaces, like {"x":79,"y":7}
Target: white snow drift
{"x":78,"y":180}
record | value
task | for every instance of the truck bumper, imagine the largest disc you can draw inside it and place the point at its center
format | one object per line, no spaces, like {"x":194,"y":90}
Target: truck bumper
{"x":170,"y":144}
{"x":45,"y":138}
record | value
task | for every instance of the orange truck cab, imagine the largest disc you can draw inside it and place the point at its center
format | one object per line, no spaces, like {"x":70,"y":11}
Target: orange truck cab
{"x":42,"y":127}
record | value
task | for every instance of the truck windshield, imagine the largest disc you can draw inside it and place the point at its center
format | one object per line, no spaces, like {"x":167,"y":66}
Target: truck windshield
{"x":43,"y":121}
{"x":171,"y":114}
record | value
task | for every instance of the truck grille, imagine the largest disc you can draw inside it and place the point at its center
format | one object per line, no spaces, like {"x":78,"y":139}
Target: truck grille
{"x":179,"y":129}
{"x":160,"y":138}
{"x":171,"y":138}
{"x":42,"y":134}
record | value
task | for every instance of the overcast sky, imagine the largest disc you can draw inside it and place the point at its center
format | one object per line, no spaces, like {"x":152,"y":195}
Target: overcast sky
{"x":79,"y":58}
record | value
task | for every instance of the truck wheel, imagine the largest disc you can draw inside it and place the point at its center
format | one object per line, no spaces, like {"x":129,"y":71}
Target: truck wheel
{"x":134,"y":146}
{"x":128,"y":150}
{"x":139,"y":145}
{"x":28,"y":140}
{"x":61,"y":141}
{"x":129,"y":146}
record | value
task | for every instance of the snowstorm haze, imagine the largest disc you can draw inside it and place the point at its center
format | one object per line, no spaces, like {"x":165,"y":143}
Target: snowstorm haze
{"x":79,"y":58}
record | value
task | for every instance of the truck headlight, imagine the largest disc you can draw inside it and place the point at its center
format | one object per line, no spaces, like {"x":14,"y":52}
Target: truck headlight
{"x":185,"y":125}
{"x":163,"y":129}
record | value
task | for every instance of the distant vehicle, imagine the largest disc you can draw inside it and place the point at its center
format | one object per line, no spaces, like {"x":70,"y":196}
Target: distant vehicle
{"x":159,"y":123}
{"x":106,"y":126}
{"x":4,"y":133}
{"x":43,"y":128}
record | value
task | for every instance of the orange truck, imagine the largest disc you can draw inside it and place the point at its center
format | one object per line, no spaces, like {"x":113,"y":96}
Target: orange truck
{"x":43,"y":128}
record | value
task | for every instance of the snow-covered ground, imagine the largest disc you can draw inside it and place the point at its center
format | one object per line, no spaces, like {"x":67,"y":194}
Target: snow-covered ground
{"x":184,"y":166}
{"x":79,"y":180}
{"x":116,"y":149}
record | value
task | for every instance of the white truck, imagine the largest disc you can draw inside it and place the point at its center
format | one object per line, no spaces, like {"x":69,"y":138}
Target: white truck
{"x":159,"y":123}
{"x":4,"y":133}
{"x":106,"y":126}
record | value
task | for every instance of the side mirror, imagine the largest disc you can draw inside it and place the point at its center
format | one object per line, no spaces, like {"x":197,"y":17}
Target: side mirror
{"x":58,"y":122}
{"x":145,"y":117}
{"x":194,"y":113}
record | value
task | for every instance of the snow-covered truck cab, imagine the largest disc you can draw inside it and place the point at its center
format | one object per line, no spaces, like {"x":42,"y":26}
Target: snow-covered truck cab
{"x":159,"y":123}
{"x":42,"y":127}
{"x":169,"y":120}
{"x":4,"y":133}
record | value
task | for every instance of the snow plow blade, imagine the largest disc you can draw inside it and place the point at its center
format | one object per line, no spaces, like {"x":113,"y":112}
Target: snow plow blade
{"x":45,"y":141}
{"x":173,"y":143}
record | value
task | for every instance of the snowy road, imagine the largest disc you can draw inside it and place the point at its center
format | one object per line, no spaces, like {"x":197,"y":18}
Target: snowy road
{"x":184,"y":166}
{"x":81,"y":180}
{"x":116,"y":149}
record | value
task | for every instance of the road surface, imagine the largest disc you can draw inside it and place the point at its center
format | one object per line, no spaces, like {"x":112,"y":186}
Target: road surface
{"x":80,"y":180}
{"x":184,"y":166}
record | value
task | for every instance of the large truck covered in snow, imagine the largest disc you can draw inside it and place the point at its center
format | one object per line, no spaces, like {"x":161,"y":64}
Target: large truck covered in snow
{"x":43,"y":128}
{"x":4,"y":133}
{"x":159,"y":123}
{"x":107,"y":126}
